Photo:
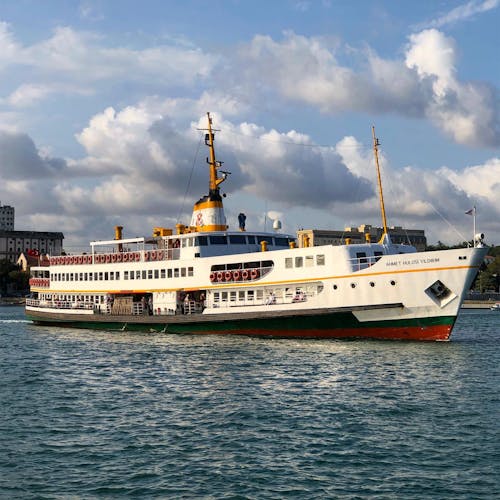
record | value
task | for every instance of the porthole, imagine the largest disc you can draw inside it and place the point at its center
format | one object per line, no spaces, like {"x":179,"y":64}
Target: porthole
{"x":372,"y":284}
{"x":353,"y":285}
{"x":393,"y":282}
{"x":335,"y":287}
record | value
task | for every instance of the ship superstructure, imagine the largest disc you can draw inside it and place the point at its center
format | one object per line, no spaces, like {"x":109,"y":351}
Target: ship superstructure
{"x":204,"y":278}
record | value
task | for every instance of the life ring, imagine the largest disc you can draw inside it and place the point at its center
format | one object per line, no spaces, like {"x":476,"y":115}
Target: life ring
{"x":89,"y":259}
{"x":118,"y":257}
{"x":80,"y":259}
{"x":160,"y":254}
{"x":228,"y":276}
{"x":244,"y":274}
{"x":71,"y":260}
{"x":113,"y":257}
{"x":236,"y":275}
{"x":108,"y":257}
{"x":146,"y":256}
{"x":125,"y":257}
{"x":220,"y":276}
{"x":213,"y":276}
{"x":254,"y":274}
{"x":153,"y":255}
{"x":137,"y":256}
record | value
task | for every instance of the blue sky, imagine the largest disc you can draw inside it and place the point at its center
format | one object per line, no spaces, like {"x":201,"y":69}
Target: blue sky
{"x":100,"y":101}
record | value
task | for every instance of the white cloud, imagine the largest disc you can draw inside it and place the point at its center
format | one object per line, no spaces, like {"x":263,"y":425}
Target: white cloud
{"x":138,"y":163}
{"x":463,"y":12}
{"x":83,"y":58}
{"x":467,"y":112}
{"x":26,"y":94}
{"x":424,"y":84}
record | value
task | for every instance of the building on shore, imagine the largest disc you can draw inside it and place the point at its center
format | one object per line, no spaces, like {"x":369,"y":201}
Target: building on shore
{"x":15,"y":243}
{"x":6,"y":217}
{"x":361,"y":234}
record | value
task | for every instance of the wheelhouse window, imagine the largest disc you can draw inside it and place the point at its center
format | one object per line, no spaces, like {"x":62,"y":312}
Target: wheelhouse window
{"x":362,"y":257}
{"x":218,"y":240}
{"x":201,"y":241}
{"x":281,"y":242}
{"x":237,"y":239}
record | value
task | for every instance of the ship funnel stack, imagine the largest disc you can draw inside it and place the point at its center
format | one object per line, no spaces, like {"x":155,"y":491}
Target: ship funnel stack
{"x":118,"y":236}
{"x":208,"y":211}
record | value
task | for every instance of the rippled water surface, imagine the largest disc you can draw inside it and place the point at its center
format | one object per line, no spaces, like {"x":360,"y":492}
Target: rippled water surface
{"x":87,"y":414}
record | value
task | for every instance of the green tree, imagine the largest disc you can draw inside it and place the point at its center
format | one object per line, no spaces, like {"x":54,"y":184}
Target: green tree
{"x":6,"y":267}
{"x":19,"y":279}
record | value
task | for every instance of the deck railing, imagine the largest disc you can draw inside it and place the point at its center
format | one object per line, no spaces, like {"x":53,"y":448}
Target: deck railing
{"x":116,"y":257}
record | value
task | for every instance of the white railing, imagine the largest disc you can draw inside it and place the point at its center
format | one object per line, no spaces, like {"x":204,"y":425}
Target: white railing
{"x":265,"y":301}
{"x":59,"y":304}
{"x":118,"y":257}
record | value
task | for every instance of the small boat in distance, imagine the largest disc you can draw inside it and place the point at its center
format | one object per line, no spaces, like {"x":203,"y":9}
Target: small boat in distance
{"x":206,"y":279}
{"x":495,"y":307}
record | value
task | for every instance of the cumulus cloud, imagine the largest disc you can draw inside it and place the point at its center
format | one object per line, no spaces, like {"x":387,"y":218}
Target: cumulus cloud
{"x":20,"y":159}
{"x":467,"y":112}
{"x":424,"y":84}
{"x":307,"y":69}
{"x":321,"y":72}
{"x":144,"y":168}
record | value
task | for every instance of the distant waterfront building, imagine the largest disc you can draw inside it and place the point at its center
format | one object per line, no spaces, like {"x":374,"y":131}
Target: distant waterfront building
{"x":15,"y":243}
{"x":6,"y":218}
{"x":361,"y":234}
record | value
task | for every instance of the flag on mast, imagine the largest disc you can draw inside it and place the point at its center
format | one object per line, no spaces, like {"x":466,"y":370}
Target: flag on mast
{"x":472,"y":212}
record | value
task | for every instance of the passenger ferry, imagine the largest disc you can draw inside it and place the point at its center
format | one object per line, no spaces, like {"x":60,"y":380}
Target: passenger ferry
{"x":203,"y":278}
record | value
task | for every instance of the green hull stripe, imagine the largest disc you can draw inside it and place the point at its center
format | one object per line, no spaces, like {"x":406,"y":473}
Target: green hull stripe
{"x":336,"y":321}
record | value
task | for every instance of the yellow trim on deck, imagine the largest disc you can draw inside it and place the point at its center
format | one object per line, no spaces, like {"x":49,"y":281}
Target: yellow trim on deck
{"x":208,"y":204}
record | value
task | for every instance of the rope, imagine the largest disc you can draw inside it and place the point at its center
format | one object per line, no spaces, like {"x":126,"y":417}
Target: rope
{"x":181,"y":209}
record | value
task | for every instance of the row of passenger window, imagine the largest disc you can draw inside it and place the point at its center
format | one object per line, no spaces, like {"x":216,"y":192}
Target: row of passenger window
{"x":178,"y":272}
{"x":307,"y":261}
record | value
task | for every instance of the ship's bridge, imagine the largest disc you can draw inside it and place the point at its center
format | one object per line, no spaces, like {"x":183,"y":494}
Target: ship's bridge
{"x":193,"y":245}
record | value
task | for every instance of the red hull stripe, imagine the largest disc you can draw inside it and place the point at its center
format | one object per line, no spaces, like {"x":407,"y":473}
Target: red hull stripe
{"x":435,"y":332}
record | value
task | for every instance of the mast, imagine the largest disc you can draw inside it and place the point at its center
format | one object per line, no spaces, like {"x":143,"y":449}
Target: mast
{"x":212,"y":162}
{"x":376,"y":144}
{"x":208,"y":211}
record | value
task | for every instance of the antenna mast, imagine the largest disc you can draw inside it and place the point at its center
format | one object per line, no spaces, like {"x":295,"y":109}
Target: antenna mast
{"x":213,"y":163}
{"x":376,"y":144}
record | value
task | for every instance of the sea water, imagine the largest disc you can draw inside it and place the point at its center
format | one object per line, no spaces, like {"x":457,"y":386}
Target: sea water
{"x":92,"y":414}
